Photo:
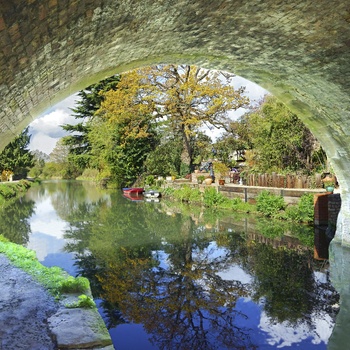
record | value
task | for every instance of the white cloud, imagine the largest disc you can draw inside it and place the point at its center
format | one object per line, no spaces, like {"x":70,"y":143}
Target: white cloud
{"x":235,"y":273}
{"x":282,"y":334}
{"x":49,"y":124}
{"x":46,"y":129}
{"x":254,"y":91}
{"x":42,"y":142}
{"x":45,"y":216}
{"x":65,"y":104}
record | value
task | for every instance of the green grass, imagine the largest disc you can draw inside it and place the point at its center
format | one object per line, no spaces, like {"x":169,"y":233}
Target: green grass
{"x":54,"y":279}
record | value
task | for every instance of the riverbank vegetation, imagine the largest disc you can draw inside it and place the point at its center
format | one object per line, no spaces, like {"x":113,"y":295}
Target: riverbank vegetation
{"x":267,"y":204}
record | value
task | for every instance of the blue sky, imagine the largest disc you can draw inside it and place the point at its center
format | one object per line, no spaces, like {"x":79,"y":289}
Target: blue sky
{"x":46,"y":130}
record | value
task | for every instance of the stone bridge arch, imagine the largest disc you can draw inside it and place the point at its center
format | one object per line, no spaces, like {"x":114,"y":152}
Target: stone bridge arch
{"x":298,"y":50}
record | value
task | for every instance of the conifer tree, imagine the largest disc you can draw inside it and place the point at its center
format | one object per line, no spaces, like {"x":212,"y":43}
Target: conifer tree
{"x":16,"y":156}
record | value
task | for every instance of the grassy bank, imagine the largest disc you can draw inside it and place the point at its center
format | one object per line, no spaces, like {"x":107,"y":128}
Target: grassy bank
{"x":54,"y":279}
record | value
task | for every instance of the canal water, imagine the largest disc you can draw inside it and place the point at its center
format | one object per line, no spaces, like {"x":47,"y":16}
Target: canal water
{"x":171,"y":276}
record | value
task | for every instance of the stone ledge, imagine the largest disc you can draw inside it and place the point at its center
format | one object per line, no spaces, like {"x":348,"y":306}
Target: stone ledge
{"x":79,"y":329}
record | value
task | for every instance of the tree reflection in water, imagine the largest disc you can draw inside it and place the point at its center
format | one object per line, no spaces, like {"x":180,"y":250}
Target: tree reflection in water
{"x":186,"y":306}
{"x":14,"y":220}
{"x":163,"y":271}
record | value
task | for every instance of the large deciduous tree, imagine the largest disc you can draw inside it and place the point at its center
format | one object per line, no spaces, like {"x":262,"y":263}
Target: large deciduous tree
{"x":181,"y":98}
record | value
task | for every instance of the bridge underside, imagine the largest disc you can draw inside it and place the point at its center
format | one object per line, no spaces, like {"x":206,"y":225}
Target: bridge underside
{"x":297,"y":50}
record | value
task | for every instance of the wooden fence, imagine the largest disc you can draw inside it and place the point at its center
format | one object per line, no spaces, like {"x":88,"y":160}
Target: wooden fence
{"x":284,"y":181}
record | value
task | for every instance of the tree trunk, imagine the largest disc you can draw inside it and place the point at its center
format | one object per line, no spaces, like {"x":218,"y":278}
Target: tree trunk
{"x":186,"y":153}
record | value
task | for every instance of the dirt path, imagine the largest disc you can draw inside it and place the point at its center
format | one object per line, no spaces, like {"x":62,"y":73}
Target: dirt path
{"x":24,"y":309}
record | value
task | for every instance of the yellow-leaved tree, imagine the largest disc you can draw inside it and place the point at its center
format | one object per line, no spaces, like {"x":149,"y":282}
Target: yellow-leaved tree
{"x":180,"y":99}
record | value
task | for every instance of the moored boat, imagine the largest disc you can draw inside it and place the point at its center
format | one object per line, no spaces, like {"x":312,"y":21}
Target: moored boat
{"x":151,"y":194}
{"x":133,"y":190}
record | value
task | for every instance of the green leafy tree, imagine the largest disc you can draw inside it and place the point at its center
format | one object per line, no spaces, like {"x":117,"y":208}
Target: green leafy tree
{"x":284,"y":278}
{"x":279,"y":139}
{"x":15,"y":221}
{"x":188,"y":300}
{"x":118,"y":153}
{"x":16,"y":156}
{"x":60,"y":153}
{"x":231,"y":146}
{"x":165,"y":159}
{"x":39,"y":158}
{"x":202,"y":148}
{"x":60,"y":164}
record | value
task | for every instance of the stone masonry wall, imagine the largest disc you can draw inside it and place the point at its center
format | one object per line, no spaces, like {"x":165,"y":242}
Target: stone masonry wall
{"x":334,"y":206}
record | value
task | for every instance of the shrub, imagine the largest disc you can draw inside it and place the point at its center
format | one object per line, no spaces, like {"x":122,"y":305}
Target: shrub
{"x":89,"y":174}
{"x":183,"y":193}
{"x":239,"y":205}
{"x":212,"y":198}
{"x":7,"y":191}
{"x":269,"y":204}
{"x":25,"y":184}
{"x":149,"y":180}
{"x":196,"y":195}
{"x":304,"y":211}
{"x":159,"y":183}
{"x":184,"y":169}
{"x":168,"y":191}
{"x":200,"y":179}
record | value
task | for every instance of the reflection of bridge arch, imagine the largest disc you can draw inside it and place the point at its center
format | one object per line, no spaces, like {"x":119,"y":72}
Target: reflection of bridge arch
{"x":299,"y":51}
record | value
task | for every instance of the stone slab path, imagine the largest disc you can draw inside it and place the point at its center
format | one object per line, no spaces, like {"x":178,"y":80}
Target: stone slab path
{"x":25,"y":307}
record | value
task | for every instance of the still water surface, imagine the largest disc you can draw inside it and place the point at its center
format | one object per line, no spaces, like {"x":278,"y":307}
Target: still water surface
{"x":169,"y":276}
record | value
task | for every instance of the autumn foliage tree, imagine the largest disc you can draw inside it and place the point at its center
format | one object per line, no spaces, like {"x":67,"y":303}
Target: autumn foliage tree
{"x":180,"y":99}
